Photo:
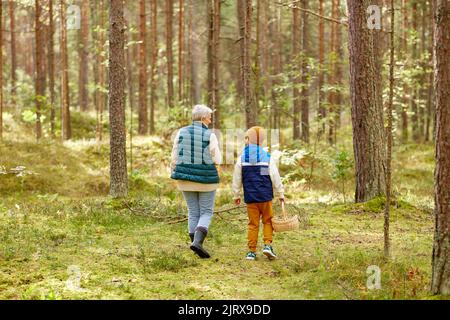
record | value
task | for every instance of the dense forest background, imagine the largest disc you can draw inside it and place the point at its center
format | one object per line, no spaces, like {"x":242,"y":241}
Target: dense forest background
{"x":92,"y":92}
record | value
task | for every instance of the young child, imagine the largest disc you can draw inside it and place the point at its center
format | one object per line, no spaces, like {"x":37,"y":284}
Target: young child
{"x":257,"y":172}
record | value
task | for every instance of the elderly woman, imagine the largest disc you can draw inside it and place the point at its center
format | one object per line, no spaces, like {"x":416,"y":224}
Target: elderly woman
{"x":195,"y":155}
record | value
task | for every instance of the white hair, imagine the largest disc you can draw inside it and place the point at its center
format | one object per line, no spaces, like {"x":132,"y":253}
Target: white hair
{"x":201,"y":111}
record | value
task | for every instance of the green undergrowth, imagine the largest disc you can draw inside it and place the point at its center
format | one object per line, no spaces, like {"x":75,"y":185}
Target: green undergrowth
{"x":62,"y":237}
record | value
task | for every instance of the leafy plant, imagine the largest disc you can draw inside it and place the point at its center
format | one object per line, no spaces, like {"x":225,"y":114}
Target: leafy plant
{"x":342,"y":163}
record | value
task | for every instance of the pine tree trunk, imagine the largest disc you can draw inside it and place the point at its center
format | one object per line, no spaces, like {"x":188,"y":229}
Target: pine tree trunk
{"x":213,"y":7}
{"x":245,"y":10}
{"x":194,"y":81}
{"x":387,"y":212}
{"x":1,"y":72}
{"x":305,"y":91}
{"x":101,"y":99}
{"x":415,"y":97}
{"x":84,"y":56}
{"x":339,"y":70}
{"x":257,"y":57}
{"x":117,"y":80}
{"x":12,"y":26}
{"x":51,"y":67}
{"x":40,"y":71}
{"x":441,"y":248}
{"x":180,"y":49}
{"x":154,"y":67}
{"x":143,"y":112}
{"x":169,"y":52}
{"x":367,"y":112}
{"x":406,"y":101}
{"x":332,"y":78}
{"x":322,"y":110}
{"x":296,"y":41}
{"x":65,"y":102}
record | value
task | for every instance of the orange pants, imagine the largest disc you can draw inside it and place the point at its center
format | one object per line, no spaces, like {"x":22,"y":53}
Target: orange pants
{"x":256,"y":211}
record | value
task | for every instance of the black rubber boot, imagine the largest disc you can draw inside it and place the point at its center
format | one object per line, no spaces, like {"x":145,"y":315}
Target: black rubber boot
{"x":191,"y":235}
{"x":197,"y":244}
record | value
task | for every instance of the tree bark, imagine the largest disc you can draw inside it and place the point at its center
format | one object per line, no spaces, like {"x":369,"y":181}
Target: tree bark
{"x":414,"y":105}
{"x":213,"y":8}
{"x":195,"y":80}
{"x":406,"y":101}
{"x":332,"y":78}
{"x":143,"y":112}
{"x":367,"y":112}
{"x":51,"y":67}
{"x":84,"y":56}
{"x":180,"y":49}
{"x":101,"y":99}
{"x":65,"y":102}
{"x":40,"y":71}
{"x":305,"y":88}
{"x":12,"y":26}
{"x":339,"y":70}
{"x":245,"y":10}
{"x":296,"y":41}
{"x":1,"y":72}
{"x":441,"y":248}
{"x":154,"y":67}
{"x":322,"y":110}
{"x":117,"y":80}
{"x":169,"y":52}
{"x":387,"y":212}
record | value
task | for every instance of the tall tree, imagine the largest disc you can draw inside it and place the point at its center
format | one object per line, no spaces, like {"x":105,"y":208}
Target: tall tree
{"x":154,"y":65}
{"x":180,"y":49}
{"x":84,"y":56}
{"x":305,"y":91}
{"x":1,"y":71}
{"x":405,"y":100}
{"x":213,"y":7}
{"x":65,"y":102}
{"x":40,"y":71}
{"x":387,"y":212}
{"x":51,"y":66}
{"x":339,"y":69}
{"x":441,"y":248}
{"x":101,"y":54}
{"x":245,"y":10}
{"x":367,"y":112}
{"x":414,"y":97}
{"x":117,"y":80}
{"x":169,"y":52}
{"x":322,"y":109}
{"x":296,"y":41}
{"x":333,"y":62}
{"x":143,"y":112}
{"x":12,"y":27}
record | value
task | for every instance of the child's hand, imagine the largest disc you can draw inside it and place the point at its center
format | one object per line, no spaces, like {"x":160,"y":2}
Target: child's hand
{"x":237,"y":202}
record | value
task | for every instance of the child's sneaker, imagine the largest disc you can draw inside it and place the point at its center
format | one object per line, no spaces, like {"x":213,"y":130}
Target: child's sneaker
{"x":268,"y":252}
{"x":251,"y":256}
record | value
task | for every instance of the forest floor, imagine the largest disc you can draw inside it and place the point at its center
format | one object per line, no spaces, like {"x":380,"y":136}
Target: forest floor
{"x":62,"y":237}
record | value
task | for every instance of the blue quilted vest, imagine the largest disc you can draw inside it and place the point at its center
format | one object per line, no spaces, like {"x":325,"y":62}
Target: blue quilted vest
{"x":194,"y":161}
{"x":256,"y":175}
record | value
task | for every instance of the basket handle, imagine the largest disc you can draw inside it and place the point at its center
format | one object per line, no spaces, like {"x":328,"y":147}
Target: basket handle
{"x":283,"y":210}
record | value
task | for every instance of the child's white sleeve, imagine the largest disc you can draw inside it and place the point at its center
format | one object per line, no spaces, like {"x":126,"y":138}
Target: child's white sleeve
{"x":276,"y":179}
{"x":237,"y":179}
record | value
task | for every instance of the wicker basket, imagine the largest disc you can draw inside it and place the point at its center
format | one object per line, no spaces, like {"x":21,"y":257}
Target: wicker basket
{"x":285,"y":223}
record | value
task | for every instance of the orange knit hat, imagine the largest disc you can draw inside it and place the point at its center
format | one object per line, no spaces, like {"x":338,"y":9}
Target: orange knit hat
{"x":255,"y":135}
